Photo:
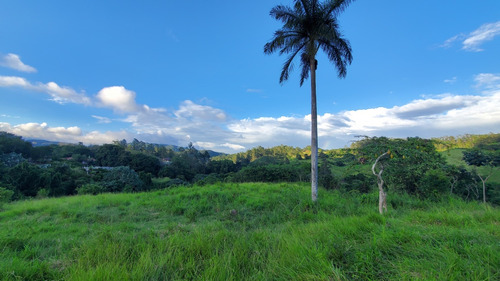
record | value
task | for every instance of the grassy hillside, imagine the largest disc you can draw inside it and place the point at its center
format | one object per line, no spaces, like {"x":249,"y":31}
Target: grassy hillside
{"x":247,"y":232}
{"x":454,"y":157}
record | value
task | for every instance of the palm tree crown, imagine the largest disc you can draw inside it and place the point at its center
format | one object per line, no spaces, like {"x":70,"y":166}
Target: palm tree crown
{"x":308,"y":27}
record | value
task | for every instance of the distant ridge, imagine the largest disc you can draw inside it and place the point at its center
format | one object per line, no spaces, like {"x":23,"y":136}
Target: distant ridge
{"x":39,"y":142}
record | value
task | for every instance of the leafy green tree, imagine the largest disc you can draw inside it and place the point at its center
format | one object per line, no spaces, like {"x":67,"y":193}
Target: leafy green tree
{"x":221,"y":166}
{"x":12,"y":143}
{"x":43,"y":154}
{"x":26,"y":179}
{"x":308,"y":26}
{"x":141,"y":162}
{"x":187,"y":164}
{"x":91,"y":188}
{"x":482,"y":158}
{"x":121,"y":179}
{"x":5,"y":195}
{"x":325,"y":175}
{"x":111,"y":155}
{"x":405,"y":164}
{"x":407,"y":159}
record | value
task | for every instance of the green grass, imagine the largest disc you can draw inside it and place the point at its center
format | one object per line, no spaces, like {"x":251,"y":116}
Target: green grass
{"x":247,"y":232}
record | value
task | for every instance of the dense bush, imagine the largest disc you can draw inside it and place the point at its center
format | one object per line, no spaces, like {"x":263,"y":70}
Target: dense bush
{"x":359,"y":182}
{"x":433,"y":185}
{"x":293,"y":172}
{"x":91,"y":188}
{"x":121,"y":179}
{"x":5,"y":195}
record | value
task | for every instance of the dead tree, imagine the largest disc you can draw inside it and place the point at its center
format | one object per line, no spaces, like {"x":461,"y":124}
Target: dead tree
{"x":382,"y":203}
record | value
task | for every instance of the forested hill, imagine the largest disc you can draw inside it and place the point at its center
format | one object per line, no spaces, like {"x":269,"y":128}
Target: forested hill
{"x":415,"y":166}
{"x":490,"y":141}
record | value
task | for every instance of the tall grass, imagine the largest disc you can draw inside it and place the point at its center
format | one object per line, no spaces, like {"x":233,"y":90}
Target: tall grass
{"x":247,"y":232}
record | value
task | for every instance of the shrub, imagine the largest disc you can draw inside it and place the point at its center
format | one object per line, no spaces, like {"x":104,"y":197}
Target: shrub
{"x":5,"y":195}
{"x":122,"y":178}
{"x":91,"y":188}
{"x":359,"y":182}
{"x":42,"y":193}
{"x":433,"y":184}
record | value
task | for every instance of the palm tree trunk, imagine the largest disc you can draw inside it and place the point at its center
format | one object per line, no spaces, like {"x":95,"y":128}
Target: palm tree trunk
{"x":314,"y":133}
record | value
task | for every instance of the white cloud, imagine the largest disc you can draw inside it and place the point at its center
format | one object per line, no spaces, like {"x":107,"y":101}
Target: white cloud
{"x":58,"y":94}
{"x":210,"y":128}
{"x":14,"y":81}
{"x":472,"y":42}
{"x":118,"y":98}
{"x":196,"y":112}
{"x":449,"y":42}
{"x":487,"y":81}
{"x":101,"y":119}
{"x":63,"y":94}
{"x":254,"y":91}
{"x":484,"y":33}
{"x":62,"y":134}
{"x":453,"y":80}
{"x":14,"y":61}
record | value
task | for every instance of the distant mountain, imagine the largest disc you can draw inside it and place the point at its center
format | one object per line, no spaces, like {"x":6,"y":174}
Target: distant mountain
{"x":37,"y":142}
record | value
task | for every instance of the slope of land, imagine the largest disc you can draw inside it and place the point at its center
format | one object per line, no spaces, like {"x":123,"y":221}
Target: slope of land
{"x":247,"y":232}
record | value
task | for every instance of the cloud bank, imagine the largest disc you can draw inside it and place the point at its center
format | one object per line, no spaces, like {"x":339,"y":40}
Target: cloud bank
{"x":211,"y":128}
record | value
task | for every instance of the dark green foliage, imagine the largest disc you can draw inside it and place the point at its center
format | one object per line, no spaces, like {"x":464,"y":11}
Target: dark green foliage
{"x":280,"y":152}
{"x":144,"y":163}
{"x":292,"y":172}
{"x":409,"y":160}
{"x":5,"y":195}
{"x":121,"y":179}
{"x":12,"y":143}
{"x":26,"y":179}
{"x":359,"y":183}
{"x":213,"y":178}
{"x":478,"y":158}
{"x":221,"y":167}
{"x":483,"y":158}
{"x":147,"y":180}
{"x":110,"y":155}
{"x":63,"y":180}
{"x":270,"y":160}
{"x":11,"y":159}
{"x":42,"y":154}
{"x":433,"y":185}
{"x":463,"y":182}
{"x":186,"y":164}
{"x":325,"y":175}
{"x":91,"y":188}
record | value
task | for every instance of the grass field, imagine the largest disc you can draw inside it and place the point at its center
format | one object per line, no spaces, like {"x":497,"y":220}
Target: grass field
{"x":247,"y":232}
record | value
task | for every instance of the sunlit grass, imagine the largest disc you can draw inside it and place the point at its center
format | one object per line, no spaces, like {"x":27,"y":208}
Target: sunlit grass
{"x":247,"y":232}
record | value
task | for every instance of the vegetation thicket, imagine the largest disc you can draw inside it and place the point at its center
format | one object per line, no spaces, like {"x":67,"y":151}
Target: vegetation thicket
{"x":411,"y":165}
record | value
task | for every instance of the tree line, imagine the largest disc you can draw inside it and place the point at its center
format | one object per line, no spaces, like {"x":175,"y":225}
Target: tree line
{"x":411,"y":165}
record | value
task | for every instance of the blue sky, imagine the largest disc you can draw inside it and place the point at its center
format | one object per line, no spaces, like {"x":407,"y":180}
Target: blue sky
{"x":176,"y":72}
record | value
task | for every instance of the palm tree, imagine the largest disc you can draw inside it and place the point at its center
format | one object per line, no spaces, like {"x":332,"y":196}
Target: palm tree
{"x":309,"y":26}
